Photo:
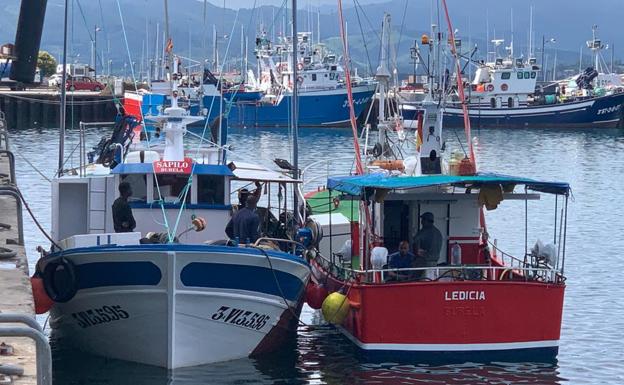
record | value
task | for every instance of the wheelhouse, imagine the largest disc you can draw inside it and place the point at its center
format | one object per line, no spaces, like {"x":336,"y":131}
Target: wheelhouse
{"x":386,"y":210}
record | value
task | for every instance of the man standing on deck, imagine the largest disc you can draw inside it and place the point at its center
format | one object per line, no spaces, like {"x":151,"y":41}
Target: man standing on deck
{"x":243,"y":194}
{"x":245,"y":223}
{"x":428,"y":241}
{"x":123,"y":220}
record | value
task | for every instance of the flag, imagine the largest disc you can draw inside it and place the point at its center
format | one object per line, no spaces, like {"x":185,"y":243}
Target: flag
{"x":169,"y":46}
{"x":419,"y":132}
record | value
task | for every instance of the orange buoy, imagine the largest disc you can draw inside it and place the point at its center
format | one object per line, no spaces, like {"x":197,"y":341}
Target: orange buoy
{"x":389,"y":164}
{"x":466,"y":167}
{"x":315,"y":295}
{"x":43,"y":302}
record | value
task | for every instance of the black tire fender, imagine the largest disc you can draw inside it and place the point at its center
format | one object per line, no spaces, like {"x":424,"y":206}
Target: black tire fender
{"x":59,"y":280}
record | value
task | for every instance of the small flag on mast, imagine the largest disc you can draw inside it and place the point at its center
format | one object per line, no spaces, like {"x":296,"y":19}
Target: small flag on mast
{"x":169,"y":46}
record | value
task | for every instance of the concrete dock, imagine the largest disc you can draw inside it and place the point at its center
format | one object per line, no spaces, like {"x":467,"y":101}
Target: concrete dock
{"x":15,"y":289}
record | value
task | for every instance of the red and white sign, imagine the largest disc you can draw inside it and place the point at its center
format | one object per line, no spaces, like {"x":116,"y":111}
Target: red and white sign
{"x":173,"y":166}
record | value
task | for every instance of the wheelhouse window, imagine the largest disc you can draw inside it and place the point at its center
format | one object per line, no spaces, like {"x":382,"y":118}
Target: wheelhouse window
{"x":171,"y":188}
{"x":211,"y":189}
{"x":520,"y":76}
{"x":533,"y":75}
{"x":313,"y":77}
{"x":527,"y":75}
{"x":138,"y":184}
{"x":505,"y":75}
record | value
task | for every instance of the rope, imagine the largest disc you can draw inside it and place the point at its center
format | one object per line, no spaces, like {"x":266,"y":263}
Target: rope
{"x":279,"y":287}
{"x":32,"y":215}
{"x":356,"y":145}
{"x":460,"y":86}
{"x":190,"y":178}
{"x":33,"y":166}
{"x":162,"y":206}
{"x":370,"y":65}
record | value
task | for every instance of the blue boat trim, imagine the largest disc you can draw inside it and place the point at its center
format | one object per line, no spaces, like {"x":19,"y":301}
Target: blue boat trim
{"x":117,"y":273}
{"x":180,"y":247}
{"x":148,"y":168}
{"x":239,"y":277}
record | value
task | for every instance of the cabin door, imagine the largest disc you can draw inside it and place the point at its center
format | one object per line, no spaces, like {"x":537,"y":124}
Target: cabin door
{"x":440,"y":211}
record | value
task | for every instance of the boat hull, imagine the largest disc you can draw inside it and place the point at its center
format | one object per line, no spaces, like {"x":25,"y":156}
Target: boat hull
{"x":605,"y":111}
{"x":316,"y":108}
{"x":176,"y":306}
{"x":458,"y":320}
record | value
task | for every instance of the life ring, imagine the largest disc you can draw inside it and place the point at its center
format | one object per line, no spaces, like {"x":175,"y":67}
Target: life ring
{"x":504,"y":87}
{"x":490,"y":87}
{"x":336,"y":202}
{"x":300,"y":66}
{"x":6,"y":253}
{"x":299,"y":79}
{"x":59,"y":280}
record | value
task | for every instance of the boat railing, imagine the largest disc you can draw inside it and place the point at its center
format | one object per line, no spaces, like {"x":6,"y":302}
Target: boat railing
{"x":328,"y":171}
{"x":506,"y":259}
{"x":447,"y":273}
{"x":82,"y":144}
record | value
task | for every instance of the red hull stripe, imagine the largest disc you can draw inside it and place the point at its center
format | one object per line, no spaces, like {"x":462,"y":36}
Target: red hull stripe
{"x":450,"y":347}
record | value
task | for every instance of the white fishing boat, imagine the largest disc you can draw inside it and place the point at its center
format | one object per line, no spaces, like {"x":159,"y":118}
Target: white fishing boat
{"x":175,"y":291}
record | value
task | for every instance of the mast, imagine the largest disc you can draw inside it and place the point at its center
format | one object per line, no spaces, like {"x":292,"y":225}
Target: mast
{"x":61,"y":154}
{"x":167,"y":40}
{"x":294,"y":113}
{"x":383,"y":76}
{"x":215,"y":65}
{"x":242,"y":47}
{"x":156,"y":53}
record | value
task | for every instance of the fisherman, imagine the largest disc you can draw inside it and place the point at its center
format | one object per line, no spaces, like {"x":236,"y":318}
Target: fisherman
{"x":243,"y":194}
{"x":428,"y":241}
{"x":123,"y":220}
{"x":245,"y":223}
{"x":402,"y":259}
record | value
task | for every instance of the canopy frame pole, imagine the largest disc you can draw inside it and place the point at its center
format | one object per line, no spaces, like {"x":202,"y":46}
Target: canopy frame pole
{"x":565,"y":229}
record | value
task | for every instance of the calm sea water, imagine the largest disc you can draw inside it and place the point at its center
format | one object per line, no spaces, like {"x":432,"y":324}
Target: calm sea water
{"x":591,"y":348}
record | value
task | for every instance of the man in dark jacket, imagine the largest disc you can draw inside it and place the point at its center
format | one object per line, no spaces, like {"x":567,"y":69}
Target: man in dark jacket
{"x":123,"y":220}
{"x":245,"y":223}
{"x":428,"y":241}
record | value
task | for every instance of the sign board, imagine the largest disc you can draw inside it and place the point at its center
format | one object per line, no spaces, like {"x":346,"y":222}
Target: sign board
{"x":173,"y":166}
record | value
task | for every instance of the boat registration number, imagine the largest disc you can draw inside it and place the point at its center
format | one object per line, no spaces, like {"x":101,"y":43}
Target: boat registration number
{"x":241,"y":317}
{"x":104,"y":314}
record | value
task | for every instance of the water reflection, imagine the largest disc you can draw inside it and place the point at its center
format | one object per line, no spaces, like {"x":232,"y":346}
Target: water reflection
{"x":320,"y":355}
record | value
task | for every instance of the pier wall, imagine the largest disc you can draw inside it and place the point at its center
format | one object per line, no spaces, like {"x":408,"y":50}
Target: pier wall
{"x":28,"y":109}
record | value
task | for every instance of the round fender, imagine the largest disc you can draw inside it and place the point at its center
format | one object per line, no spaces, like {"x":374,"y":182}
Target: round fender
{"x":43,"y":302}
{"x":59,"y":280}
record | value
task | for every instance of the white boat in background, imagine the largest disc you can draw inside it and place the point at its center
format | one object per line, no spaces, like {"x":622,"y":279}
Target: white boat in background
{"x":175,"y":292}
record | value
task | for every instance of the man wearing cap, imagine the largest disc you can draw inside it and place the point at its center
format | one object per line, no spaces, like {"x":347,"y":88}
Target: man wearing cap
{"x":428,"y":241}
{"x":243,"y":194}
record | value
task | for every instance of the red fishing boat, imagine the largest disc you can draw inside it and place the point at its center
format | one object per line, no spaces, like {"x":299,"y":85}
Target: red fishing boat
{"x":461,"y":300}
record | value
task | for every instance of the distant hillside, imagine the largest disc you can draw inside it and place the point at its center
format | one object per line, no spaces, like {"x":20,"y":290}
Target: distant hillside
{"x":569,"y":21}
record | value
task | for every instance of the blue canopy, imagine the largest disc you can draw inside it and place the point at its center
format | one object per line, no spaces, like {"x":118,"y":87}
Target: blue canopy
{"x":355,"y":184}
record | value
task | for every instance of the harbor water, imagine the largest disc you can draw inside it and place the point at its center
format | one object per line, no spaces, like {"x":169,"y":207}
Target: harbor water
{"x":591,"y":351}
